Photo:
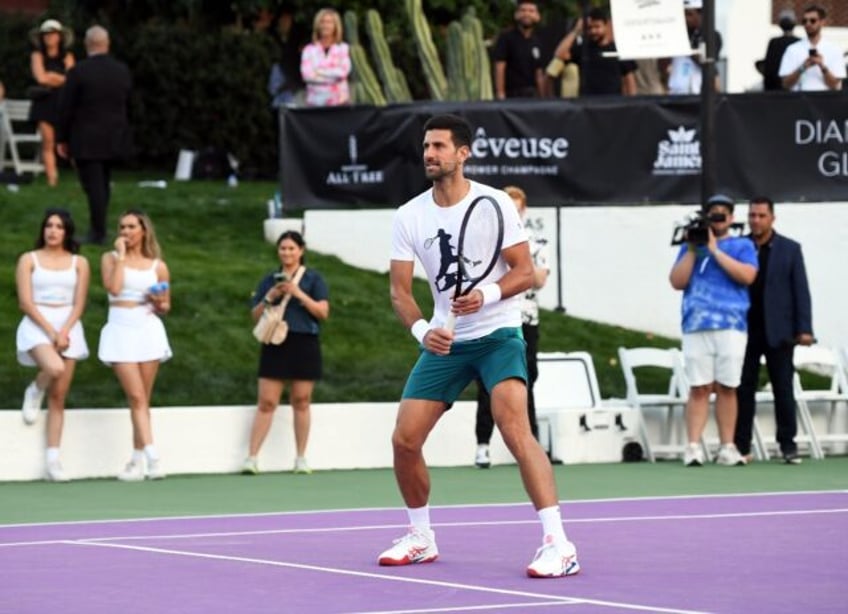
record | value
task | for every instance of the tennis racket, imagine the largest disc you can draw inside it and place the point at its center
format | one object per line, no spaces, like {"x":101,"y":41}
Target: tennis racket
{"x":478,"y":248}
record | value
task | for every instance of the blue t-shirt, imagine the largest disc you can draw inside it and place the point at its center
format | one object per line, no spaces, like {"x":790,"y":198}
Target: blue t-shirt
{"x":712,"y":300}
{"x":298,"y":318}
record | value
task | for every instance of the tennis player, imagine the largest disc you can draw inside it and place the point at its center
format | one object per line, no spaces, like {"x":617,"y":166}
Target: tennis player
{"x":486,"y":343}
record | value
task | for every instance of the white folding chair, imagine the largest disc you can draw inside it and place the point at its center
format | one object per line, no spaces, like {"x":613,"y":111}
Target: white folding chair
{"x":828,"y":362}
{"x":670,"y":402}
{"x":14,"y":116}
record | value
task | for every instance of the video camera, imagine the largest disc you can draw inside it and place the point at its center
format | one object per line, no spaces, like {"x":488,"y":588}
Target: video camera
{"x":696,"y":229}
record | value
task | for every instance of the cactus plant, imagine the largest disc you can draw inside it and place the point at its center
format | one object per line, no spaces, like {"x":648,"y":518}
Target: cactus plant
{"x":394,"y":83}
{"x":433,"y":70}
{"x":367,"y":88}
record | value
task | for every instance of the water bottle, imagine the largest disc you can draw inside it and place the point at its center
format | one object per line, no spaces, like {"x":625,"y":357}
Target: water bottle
{"x":278,"y":204}
{"x":232,"y":180}
{"x":161,"y":184}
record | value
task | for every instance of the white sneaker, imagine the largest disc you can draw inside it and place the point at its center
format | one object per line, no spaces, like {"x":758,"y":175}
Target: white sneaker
{"x":154,"y":471}
{"x":55,"y":473}
{"x":729,"y":456}
{"x":33,"y":398}
{"x":250,"y":466}
{"x":482,"y":460}
{"x":694,"y":455}
{"x":417,"y":546}
{"x":133,"y":472}
{"x":554,"y":560}
{"x":300,"y":466}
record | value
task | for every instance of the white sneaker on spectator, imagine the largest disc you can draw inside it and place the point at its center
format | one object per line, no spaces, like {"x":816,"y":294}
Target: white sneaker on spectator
{"x":250,"y":466}
{"x":301,"y":466}
{"x":154,"y":471}
{"x":554,"y":560}
{"x":482,"y":460}
{"x":694,"y":455}
{"x":729,"y":456}
{"x":417,"y":546}
{"x":133,"y":472}
{"x":33,"y":399}
{"x":55,"y":473}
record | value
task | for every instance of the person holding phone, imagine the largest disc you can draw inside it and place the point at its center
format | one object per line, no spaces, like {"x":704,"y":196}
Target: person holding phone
{"x":296,"y":360}
{"x":814,"y":64}
{"x":133,"y":341}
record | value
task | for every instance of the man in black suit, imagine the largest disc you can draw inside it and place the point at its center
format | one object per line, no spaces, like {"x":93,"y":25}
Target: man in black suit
{"x":770,"y":66}
{"x":780,"y":317}
{"x":93,"y":127}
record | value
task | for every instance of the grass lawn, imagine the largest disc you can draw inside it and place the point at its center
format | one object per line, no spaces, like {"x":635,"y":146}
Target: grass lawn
{"x":213,"y":243}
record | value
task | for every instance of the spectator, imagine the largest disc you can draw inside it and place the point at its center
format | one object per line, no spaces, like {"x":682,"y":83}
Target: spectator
{"x":814,"y":64}
{"x":519,"y":66}
{"x":325,"y":62}
{"x":685,"y":74}
{"x":780,"y":317}
{"x":599,"y":75}
{"x":486,"y":345}
{"x":52,"y":284}
{"x":133,"y":341}
{"x":298,"y":359}
{"x":50,"y":59}
{"x":290,"y":39}
{"x":530,"y":330}
{"x":714,"y":277}
{"x":649,"y":81}
{"x":770,"y":67}
{"x":93,"y":127}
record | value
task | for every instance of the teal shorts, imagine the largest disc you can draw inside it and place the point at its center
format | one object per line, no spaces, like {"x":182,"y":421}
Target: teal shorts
{"x":494,"y":358}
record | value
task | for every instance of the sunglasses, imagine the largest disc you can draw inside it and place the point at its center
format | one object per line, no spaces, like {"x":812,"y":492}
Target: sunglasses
{"x":810,"y":20}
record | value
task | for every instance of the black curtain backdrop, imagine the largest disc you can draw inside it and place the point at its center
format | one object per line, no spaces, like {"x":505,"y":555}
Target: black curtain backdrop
{"x":792,"y":147}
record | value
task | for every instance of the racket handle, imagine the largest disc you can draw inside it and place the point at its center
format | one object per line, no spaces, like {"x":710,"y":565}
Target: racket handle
{"x":450,"y":321}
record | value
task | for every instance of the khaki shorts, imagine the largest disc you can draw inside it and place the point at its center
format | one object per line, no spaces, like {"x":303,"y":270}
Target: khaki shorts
{"x":714,"y":356}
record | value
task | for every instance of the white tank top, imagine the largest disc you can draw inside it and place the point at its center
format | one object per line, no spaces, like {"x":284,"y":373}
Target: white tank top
{"x":54,"y":287}
{"x":137,"y":282}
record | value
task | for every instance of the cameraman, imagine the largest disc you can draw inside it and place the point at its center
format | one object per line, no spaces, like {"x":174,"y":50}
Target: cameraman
{"x":714,"y":276}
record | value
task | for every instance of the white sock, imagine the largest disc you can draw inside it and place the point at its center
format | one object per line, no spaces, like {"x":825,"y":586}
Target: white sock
{"x":52,"y":455}
{"x":552,"y":523}
{"x":419,"y":517}
{"x":138,"y":457}
{"x":150,"y":452}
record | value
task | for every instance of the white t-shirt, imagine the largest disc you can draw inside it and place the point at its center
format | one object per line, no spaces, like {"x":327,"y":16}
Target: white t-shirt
{"x":812,"y":79}
{"x":430,"y":233}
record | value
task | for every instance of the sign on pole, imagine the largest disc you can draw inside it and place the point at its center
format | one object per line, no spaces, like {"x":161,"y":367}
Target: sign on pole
{"x":649,"y":29}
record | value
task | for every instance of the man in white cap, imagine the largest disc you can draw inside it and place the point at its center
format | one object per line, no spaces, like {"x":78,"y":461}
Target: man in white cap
{"x":814,"y":64}
{"x":685,"y":73}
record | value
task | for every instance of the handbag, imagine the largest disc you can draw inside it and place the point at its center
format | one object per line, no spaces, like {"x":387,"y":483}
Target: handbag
{"x":37,"y":92}
{"x":271,"y":327}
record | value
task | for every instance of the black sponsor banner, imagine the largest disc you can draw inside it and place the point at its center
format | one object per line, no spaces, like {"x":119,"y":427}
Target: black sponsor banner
{"x":643,"y":150}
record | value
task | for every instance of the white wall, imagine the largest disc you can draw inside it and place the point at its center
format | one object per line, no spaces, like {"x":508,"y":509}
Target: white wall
{"x":615,"y":260}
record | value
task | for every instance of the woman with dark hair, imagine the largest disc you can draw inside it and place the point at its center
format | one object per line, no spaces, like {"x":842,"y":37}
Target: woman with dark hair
{"x":296,"y":360}
{"x":49,"y":61}
{"x":133,"y":341}
{"x":52,"y":285}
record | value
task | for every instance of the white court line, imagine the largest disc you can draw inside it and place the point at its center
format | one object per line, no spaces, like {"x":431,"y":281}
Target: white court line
{"x":567,"y":503}
{"x":473,"y":524}
{"x":378,"y":576}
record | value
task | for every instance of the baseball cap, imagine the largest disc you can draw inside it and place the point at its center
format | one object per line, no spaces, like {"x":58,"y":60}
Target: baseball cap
{"x":719,"y":199}
{"x":693,"y":4}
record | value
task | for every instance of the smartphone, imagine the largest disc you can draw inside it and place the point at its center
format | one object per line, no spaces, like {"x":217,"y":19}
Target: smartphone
{"x":278,"y":277}
{"x":813,"y":53}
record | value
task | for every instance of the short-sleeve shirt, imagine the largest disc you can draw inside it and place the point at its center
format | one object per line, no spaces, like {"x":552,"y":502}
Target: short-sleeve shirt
{"x":523,"y":56}
{"x":539,"y":254}
{"x":713,"y":300}
{"x":600,"y":75}
{"x":812,"y":79}
{"x":298,"y":318}
{"x":424,"y":231}
{"x":685,"y":74}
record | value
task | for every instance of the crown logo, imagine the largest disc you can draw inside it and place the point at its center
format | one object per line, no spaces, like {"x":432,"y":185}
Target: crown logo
{"x":681,"y":135}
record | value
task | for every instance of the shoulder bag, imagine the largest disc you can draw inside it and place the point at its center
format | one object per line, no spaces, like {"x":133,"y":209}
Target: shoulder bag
{"x":271,"y":327}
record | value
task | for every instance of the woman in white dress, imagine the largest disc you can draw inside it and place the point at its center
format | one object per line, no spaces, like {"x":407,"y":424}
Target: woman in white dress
{"x":133,"y":341}
{"x":52,"y":285}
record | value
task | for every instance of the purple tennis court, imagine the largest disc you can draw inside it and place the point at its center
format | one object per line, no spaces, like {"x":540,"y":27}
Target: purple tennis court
{"x":740,"y":553}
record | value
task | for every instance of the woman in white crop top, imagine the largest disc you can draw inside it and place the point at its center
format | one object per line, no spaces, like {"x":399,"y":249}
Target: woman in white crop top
{"x":52,"y":285}
{"x":133,"y":341}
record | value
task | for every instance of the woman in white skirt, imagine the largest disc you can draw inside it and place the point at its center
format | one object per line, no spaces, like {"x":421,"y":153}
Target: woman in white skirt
{"x":52,"y":285}
{"x":134,"y":341}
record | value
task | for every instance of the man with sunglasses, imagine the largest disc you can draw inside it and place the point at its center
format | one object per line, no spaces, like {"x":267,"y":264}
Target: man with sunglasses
{"x":814,"y":64}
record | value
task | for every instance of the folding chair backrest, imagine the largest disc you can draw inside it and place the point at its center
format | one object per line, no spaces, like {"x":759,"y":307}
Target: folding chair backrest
{"x":663,"y":358}
{"x":824,"y":361}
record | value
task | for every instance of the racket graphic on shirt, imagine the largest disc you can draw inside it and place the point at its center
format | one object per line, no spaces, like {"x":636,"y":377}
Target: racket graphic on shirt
{"x":478,"y":248}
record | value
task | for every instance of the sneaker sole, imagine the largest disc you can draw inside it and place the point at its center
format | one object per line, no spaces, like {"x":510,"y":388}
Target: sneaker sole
{"x":483,"y":465}
{"x":385,"y":562}
{"x":534,"y":574}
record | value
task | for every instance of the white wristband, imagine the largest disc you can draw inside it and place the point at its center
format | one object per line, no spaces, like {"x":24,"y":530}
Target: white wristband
{"x":419,"y":329}
{"x":491,"y":293}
